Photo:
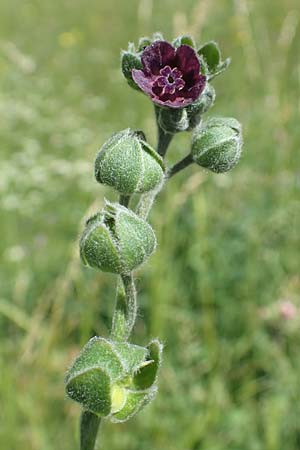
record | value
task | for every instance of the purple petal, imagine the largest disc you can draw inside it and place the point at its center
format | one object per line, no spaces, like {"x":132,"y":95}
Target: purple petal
{"x":166,"y":71}
{"x":179,"y":102}
{"x":179,"y":83}
{"x":169,"y":89}
{"x":156,"y":56}
{"x":161,"y":81}
{"x":194,"y":92}
{"x":143,"y":82}
{"x":176,"y":73}
{"x":187,"y":61}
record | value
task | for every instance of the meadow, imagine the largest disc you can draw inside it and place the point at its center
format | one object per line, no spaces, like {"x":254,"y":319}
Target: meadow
{"x":223,"y":289}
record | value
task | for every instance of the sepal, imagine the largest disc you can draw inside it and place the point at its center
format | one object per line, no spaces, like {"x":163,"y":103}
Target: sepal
{"x":184,"y":39}
{"x":130,"y":60}
{"x":210,"y":54}
{"x":173,"y":120}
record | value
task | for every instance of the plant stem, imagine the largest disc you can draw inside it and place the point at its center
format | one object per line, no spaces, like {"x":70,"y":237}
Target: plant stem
{"x":125,"y":309}
{"x":126,"y":305}
{"x":146,"y":201}
{"x":89,"y":425}
{"x":185,"y":162}
{"x":163,"y":138}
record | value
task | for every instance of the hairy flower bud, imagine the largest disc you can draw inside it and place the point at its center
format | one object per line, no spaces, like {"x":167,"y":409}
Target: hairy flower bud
{"x":114,"y":379}
{"x":127,"y":163}
{"x":116,"y":240}
{"x":217,"y":145}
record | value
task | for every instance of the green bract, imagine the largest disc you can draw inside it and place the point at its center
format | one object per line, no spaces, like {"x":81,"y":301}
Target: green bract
{"x":114,"y":379}
{"x":128,"y":164}
{"x":217,"y":145}
{"x":116,"y":240}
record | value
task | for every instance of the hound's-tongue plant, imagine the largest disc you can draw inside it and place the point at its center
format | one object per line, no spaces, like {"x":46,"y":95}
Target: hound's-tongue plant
{"x":111,"y":378}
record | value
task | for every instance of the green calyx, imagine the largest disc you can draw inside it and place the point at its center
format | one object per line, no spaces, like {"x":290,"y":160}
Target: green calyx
{"x":217,"y":145}
{"x":127,"y":163}
{"x":116,"y":240}
{"x":114,"y":380}
{"x":176,"y":120}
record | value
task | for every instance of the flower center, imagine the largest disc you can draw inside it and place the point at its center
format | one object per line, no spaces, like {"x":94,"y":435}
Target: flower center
{"x":170,"y":80}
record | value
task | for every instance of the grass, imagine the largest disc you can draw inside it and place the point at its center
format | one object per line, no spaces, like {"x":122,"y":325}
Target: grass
{"x":228,"y":244}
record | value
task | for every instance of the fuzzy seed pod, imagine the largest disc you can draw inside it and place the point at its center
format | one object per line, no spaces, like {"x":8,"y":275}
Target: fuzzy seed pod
{"x":116,"y":240}
{"x":217,"y":145}
{"x":128,"y":164}
{"x":114,"y":379}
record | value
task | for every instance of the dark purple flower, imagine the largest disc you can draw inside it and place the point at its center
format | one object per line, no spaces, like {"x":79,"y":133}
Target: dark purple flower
{"x":170,"y":76}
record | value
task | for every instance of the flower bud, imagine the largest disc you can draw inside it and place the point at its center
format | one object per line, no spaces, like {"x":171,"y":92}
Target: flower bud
{"x":217,"y":146}
{"x":114,"y":379}
{"x":201,"y":106}
{"x":128,"y":164}
{"x":116,"y":240}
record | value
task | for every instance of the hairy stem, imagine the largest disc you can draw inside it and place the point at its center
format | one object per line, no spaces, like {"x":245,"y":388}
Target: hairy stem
{"x":126,"y":305}
{"x":146,"y":201}
{"x":89,"y":425}
{"x":163,"y":138}
{"x":185,"y":162}
{"x":125,"y":309}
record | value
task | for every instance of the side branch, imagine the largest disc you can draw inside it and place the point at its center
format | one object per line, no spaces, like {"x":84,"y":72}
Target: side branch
{"x":185,"y":162}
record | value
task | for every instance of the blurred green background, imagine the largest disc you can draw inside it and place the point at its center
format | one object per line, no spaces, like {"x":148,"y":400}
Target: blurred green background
{"x":223,"y":289}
